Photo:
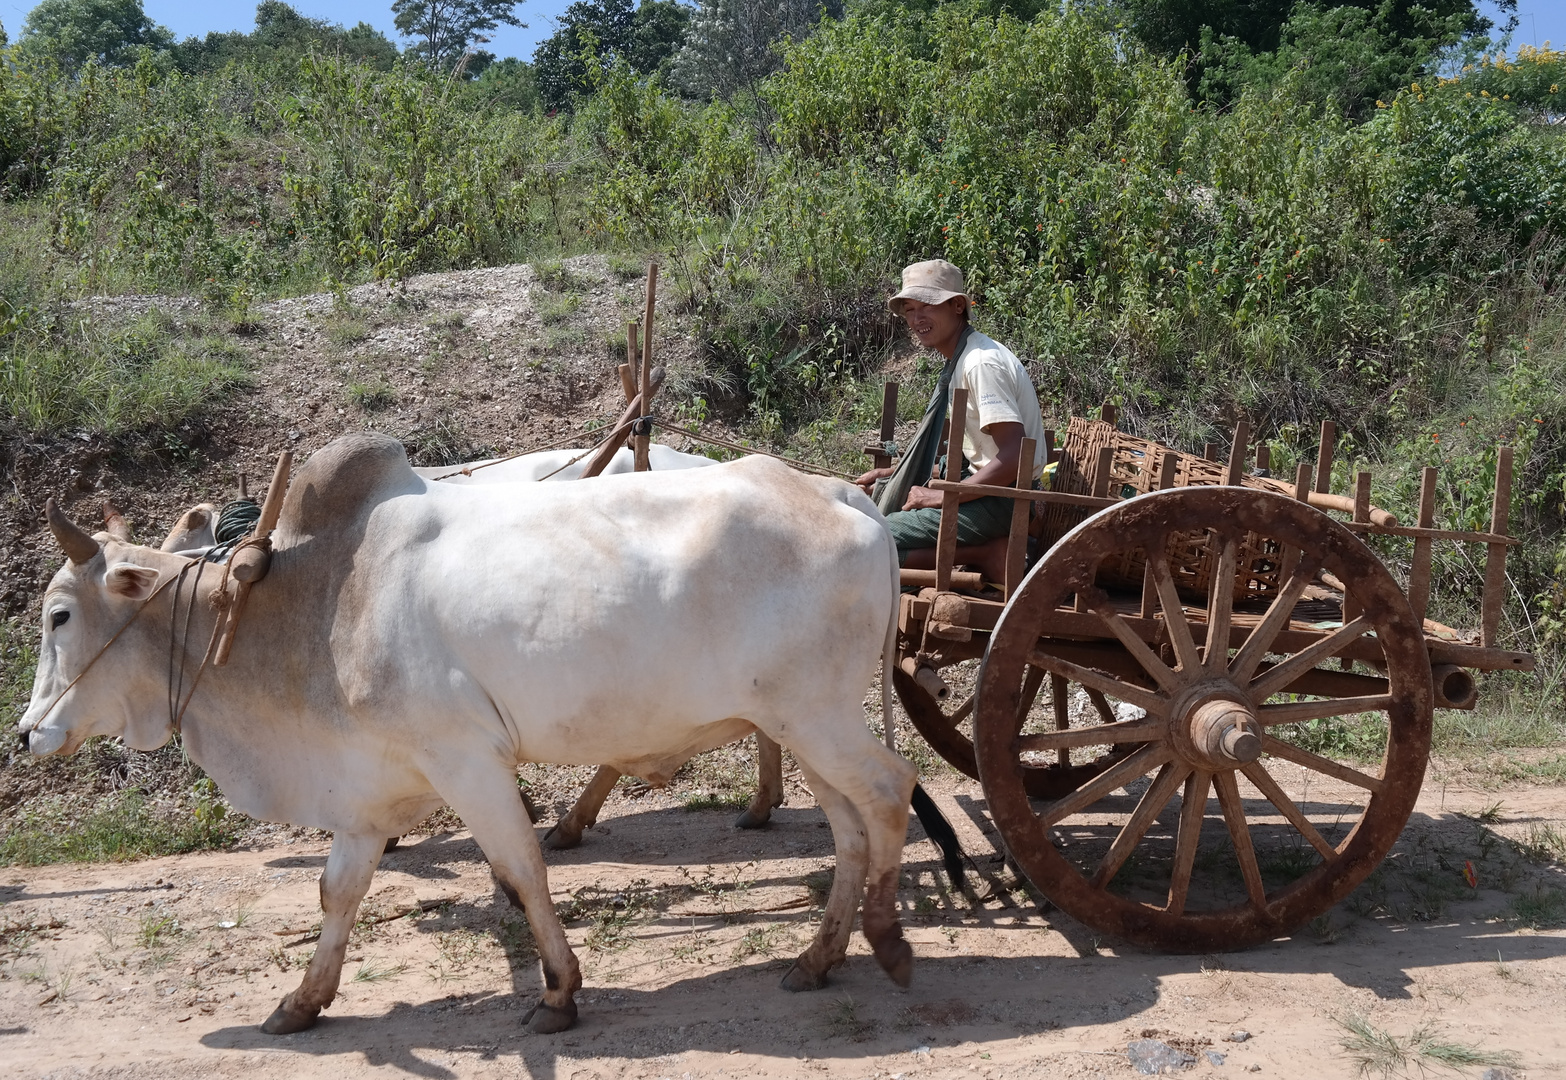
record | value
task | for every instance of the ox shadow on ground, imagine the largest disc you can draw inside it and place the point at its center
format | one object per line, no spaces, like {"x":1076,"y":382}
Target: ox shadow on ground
{"x":1410,"y":916}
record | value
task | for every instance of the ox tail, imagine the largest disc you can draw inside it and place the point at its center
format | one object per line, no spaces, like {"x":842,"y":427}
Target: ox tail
{"x":935,"y":825}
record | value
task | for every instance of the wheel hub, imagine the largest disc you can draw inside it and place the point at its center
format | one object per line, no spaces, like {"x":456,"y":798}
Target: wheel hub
{"x":1215,"y":728}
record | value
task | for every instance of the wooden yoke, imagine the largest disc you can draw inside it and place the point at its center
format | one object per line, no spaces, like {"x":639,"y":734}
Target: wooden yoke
{"x":250,"y":563}
{"x":622,"y":429}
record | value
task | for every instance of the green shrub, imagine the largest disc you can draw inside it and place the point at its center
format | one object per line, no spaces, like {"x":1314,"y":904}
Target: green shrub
{"x":117,"y":827}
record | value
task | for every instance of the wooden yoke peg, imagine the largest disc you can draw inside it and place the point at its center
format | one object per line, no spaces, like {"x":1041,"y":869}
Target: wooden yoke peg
{"x":251,"y":562}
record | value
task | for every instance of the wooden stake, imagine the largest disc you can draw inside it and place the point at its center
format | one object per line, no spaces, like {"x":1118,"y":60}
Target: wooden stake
{"x":1419,"y":572}
{"x":1329,"y":437}
{"x":1302,"y":481}
{"x":1210,"y":451}
{"x":645,"y":381}
{"x":879,"y":455}
{"x":1108,"y":413}
{"x":1051,"y":455}
{"x":1021,"y":510}
{"x":1103,"y":467}
{"x":1494,"y":598}
{"x":1362,"y":497}
{"x":1237,"y":449}
{"x":1263,"y":457}
{"x":946,"y":538}
{"x":1166,"y":478}
{"x":631,"y":370}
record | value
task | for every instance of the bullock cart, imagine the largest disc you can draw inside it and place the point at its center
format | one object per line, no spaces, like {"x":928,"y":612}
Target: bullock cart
{"x":1152,"y":707}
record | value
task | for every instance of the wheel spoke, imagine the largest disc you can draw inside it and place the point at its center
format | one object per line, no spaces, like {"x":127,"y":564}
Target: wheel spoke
{"x":959,"y":714}
{"x":1269,"y":787}
{"x":1294,"y":712}
{"x":1030,"y":693}
{"x":1122,"y":731}
{"x":1281,"y":675}
{"x":1220,"y":608}
{"x":1154,"y":799}
{"x":1280,"y":749}
{"x":1096,"y":680}
{"x":1179,"y":628}
{"x":1098,"y":603}
{"x":1140,"y":763}
{"x":1101,"y":705}
{"x":1277,"y":617}
{"x":1193,"y":809}
{"x":1240,"y":833}
{"x":1058,"y":688}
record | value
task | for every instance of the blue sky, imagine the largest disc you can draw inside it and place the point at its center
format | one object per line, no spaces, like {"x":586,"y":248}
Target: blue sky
{"x":1538,"y":20}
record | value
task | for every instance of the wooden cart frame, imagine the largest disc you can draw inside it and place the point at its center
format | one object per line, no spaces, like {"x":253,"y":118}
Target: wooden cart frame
{"x":1313,"y":626}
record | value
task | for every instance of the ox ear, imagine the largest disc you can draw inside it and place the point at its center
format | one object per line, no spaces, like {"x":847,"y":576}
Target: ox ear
{"x":131,"y":582}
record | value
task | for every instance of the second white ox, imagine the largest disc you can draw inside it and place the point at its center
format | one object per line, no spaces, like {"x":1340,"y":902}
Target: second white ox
{"x":193,"y":532}
{"x":414,"y":642}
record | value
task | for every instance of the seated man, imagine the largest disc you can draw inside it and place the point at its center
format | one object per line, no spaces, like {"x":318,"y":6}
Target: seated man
{"x":1003,"y":409}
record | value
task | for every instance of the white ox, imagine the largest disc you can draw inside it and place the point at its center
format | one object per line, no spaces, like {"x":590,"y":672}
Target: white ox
{"x":193,"y":531}
{"x":414,"y":642}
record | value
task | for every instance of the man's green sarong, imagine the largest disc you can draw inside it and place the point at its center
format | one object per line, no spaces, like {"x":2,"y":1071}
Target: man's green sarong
{"x":977,"y":522}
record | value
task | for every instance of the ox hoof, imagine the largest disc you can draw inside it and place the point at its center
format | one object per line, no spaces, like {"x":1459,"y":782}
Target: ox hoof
{"x":798,"y":979}
{"x":286,"y":1020}
{"x":896,"y":959}
{"x":546,"y":1019}
{"x":562,"y":839}
{"x":754,"y":819}
{"x":391,"y":844}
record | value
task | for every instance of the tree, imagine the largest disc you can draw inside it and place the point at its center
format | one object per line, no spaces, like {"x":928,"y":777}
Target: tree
{"x":1348,"y":57}
{"x":731,"y":45}
{"x":280,"y":38}
{"x":1381,"y":35}
{"x":645,"y":37}
{"x":76,"y":31}
{"x":444,"y":31}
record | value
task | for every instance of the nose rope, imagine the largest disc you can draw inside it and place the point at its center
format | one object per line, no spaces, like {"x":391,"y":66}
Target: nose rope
{"x":178,"y":647}
{"x":123,"y":627}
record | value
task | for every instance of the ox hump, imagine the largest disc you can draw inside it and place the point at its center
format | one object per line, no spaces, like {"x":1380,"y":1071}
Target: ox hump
{"x":344,"y":480}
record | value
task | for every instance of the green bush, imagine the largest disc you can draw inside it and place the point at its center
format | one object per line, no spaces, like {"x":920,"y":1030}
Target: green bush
{"x":117,"y":827}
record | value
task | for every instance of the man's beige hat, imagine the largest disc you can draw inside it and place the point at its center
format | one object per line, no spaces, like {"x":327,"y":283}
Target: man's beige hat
{"x":932,"y":282}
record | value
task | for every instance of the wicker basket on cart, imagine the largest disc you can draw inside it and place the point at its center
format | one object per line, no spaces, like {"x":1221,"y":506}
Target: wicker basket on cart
{"x":1134,"y":470}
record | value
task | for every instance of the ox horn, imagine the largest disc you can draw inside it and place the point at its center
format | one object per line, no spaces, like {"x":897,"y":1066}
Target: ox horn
{"x":114,"y":522}
{"x":79,"y":547}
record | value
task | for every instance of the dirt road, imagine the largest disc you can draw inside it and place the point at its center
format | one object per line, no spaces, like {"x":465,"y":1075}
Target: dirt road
{"x":684,"y":926}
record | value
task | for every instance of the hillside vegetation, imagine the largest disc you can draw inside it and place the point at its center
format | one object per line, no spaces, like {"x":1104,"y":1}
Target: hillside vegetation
{"x":1274,"y":254}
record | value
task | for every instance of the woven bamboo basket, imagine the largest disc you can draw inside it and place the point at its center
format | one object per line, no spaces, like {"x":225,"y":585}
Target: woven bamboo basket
{"x":1134,"y":470}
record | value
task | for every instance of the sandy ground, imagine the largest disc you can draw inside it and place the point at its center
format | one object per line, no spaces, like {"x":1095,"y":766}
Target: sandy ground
{"x":684,"y":926}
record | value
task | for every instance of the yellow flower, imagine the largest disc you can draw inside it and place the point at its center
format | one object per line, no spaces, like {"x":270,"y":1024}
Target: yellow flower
{"x":1484,"y":93}
{"x":1554,"y":87}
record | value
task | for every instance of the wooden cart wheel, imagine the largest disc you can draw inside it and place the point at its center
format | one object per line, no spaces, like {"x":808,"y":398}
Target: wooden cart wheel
{"x":1299,"y":829}
{"x":946,"y":726}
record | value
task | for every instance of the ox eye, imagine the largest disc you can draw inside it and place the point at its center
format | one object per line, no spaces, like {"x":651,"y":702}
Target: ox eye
{"x":59,"y":619}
